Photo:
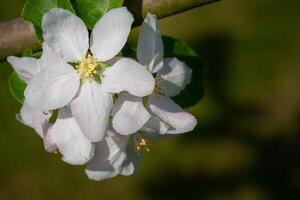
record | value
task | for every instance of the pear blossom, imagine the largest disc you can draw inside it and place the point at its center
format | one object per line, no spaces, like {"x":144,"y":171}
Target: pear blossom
{"x":157,"y":110}
{"x":82,"y":78}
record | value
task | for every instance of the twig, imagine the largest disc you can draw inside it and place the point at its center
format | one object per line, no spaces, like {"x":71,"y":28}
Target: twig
{"x":17,"y":35}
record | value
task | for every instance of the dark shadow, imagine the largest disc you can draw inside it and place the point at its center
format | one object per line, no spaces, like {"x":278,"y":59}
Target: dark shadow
{"x":276,"y":168}
{"x":135,"y":7}
{"x":194,"y":91}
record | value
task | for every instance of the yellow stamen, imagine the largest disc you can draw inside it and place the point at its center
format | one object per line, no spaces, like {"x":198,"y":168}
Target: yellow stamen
{"x":87,"y":67}
{"x":142,"y":144}
{"x":157,"y":87}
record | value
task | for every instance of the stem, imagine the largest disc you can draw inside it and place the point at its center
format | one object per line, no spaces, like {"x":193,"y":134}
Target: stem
{"x":17,"y":35}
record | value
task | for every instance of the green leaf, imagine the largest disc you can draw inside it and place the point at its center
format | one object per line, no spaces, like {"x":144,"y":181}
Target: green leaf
{"x":27,"y":53}
{"x":17,"y":87}
{"x":34,"y":10}
{"x":128,"y":51}
{"x":90,"y":11}
{"x":54,"y":116}
{"x":194,"y":92}
{"x":30,"y":53}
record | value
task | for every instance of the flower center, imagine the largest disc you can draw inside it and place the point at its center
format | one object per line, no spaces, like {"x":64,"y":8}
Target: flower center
{"x":157,"y":87}
{"x":142,"y":144}
{"x":87,"y":67}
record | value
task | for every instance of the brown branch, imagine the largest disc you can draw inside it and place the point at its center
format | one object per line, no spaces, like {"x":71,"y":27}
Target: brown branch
{"x":162,"y":8}
{"x":17,"y":35}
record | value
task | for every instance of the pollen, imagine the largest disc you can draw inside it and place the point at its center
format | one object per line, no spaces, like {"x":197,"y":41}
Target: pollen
{"x":87,"y":67}
{"x":143,"y":144}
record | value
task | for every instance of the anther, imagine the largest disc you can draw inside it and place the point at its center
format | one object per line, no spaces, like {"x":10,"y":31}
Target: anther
{"x":142,"y":144}
{"x":87,"y":67}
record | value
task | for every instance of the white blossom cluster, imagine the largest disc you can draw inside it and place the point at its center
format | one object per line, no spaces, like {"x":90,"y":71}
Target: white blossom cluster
{"x":108,"y":107}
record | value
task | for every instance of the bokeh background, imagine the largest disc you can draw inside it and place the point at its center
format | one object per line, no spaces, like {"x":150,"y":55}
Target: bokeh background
{"x":247,"y":144}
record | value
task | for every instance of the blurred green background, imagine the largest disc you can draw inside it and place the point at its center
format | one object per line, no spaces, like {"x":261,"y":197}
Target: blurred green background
{"x":246,"y":145}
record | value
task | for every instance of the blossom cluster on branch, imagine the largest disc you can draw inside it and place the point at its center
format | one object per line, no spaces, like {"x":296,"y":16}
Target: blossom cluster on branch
{"x":95,"y":106}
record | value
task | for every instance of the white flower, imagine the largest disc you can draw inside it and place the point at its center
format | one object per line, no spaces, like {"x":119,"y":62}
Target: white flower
{"x":27,"y":68}
{"x":65,"y":134}
{"x":90,"y":99}
{"x":118,"y":154}
{"x":131,"y":113}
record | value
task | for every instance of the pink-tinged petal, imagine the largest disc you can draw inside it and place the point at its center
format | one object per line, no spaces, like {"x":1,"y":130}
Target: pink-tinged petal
{"x":129,"y":114}
{"x":91,"y":109}
{"x":150,"y":50}
{"x":109,"y":157}
{"x":128,"y":75}
{"x":175,"y":76}
{"x":67,"y":135}
{"x":110,"y":33}
{"x":169,"y":112}
{"x":66,"y":34}
{"x":52,"y":88}
{"x":25,"y":67}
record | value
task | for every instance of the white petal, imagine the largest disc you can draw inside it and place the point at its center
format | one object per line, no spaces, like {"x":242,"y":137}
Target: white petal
{"x":49,"y":142}
{"x":52,"y":88}
{"x":108,"y":158}
{"x":91,"y":109}
{"x":128,"y":168}
{"x":168,"y":111}
{"x":72,"y":144}
{"x":40,"y":122}
{"x":133,"y":160}
{"x":110,"y":33}
{"x":155,"y":125}
{"x":48,"y":58}
{"x":66,"y":34}
{"x":35,"y":119}
{"x":175,"y":76}
{"x":27,"y":114}
{"x":25,"y":67}
{"x":129,"y":114}
{"x":113,"y":60}
{"x":150,"y":50}
{"x":128,"y":75}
